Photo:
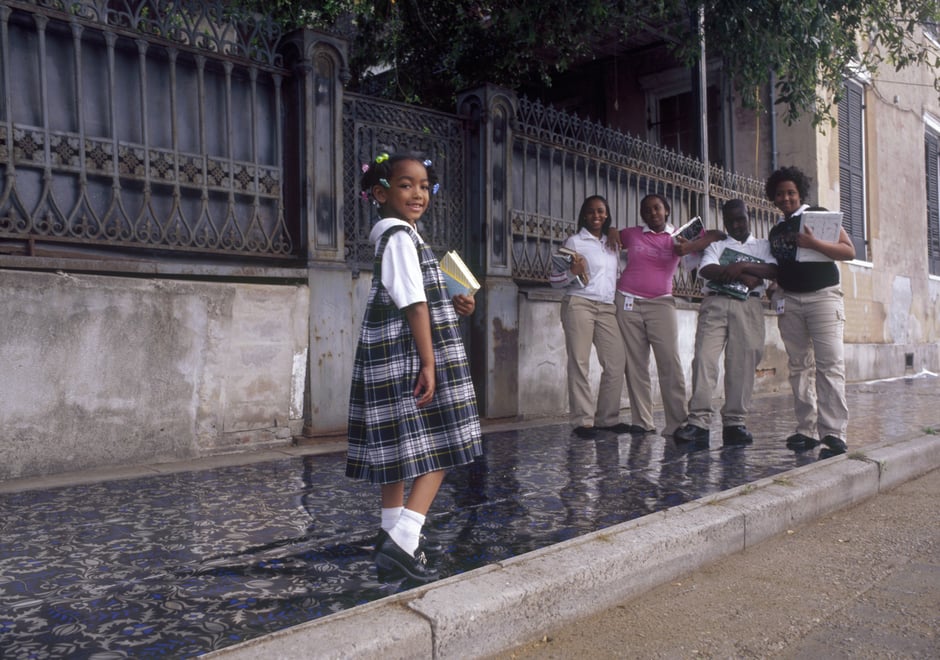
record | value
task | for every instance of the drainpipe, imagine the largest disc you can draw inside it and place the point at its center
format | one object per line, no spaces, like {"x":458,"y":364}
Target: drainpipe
{"x":773,"y":122}
{"x":703,"y":99}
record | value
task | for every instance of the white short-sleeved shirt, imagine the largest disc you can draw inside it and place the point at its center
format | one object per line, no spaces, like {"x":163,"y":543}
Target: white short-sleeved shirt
{"x":401,"y":270}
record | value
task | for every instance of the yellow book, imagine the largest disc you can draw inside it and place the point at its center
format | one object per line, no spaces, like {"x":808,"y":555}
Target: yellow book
{"x":458,"y":276}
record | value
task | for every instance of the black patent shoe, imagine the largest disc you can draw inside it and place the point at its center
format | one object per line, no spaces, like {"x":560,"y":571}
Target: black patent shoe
{"x":585,"y":432}
{"x":800,"y":442}
{"x":390,"y":560}
{"x":834,"y":447}
{"x":431,"y":548}
{"x":736,"y":435}
{"x":690,"y":433}
{"x":618,"y":428}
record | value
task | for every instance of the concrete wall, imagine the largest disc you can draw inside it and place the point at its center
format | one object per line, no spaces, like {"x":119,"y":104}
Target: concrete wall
{"x":106,"y":371}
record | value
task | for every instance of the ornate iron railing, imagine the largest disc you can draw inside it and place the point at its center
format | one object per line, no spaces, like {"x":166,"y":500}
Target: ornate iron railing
{"x":372,"y":125}
{"x":205,"y":25}
{"x":150,"y":125}
{"x":559,"y":159}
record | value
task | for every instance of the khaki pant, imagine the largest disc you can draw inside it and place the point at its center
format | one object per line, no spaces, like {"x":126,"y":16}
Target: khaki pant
{"x":588,"y":323}
{"x":653,"y":323}
{"x":737,"y":328}
{"x":812,"y":327}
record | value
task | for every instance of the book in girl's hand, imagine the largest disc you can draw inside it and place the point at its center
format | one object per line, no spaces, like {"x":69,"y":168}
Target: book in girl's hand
{"x":690,"y":230}
{"x":562,"y":260}
{"x":459,"y":279}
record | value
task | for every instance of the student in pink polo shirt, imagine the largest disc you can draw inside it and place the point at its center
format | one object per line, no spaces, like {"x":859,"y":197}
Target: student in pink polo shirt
{"x":646,"y":313}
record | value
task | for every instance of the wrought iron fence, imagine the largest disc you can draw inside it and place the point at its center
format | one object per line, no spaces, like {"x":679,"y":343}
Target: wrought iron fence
{"x":559,"y":159}
{"x":141,"y":125}
{"x":371,"y":126}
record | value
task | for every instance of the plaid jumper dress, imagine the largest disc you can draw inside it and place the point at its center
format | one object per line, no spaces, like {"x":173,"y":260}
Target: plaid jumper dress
{"x":390,"y":438}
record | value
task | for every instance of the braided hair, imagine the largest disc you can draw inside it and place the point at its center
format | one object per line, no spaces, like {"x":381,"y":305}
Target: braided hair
{"x":379,"y":171}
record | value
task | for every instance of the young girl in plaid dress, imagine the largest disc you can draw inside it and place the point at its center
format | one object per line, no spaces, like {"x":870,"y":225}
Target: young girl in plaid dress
{"x":412,"y":408}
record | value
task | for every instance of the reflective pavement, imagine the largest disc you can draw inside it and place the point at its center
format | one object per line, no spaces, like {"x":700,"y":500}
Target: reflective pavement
{"x":180,"y":564}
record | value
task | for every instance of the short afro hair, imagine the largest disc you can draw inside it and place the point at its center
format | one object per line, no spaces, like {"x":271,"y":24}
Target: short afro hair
{"x":794,"y":174}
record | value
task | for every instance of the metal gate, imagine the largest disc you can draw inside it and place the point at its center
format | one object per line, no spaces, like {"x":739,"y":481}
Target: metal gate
{"x":371,"y":126}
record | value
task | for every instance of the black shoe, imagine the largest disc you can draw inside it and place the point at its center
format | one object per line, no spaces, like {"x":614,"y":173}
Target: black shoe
{"x":690,"y":433}
{"x":800,"y":442}
{"x":391,"y":559}
{"x":585,"y":431}
{"x":834,"y":447}
{"x":430,"y":548}
{"x":616,"y":428}
{"x":736,"y":435}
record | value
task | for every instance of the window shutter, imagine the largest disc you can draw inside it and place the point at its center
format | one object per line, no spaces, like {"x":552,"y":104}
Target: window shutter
{"x":932,"y":144}
{"x":852,"y":167}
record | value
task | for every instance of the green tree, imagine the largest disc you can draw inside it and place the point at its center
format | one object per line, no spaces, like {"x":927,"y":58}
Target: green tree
{"x":432,"y":49}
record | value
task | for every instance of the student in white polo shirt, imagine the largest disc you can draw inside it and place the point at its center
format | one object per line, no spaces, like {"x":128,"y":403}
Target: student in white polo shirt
{"x":730,"y":320}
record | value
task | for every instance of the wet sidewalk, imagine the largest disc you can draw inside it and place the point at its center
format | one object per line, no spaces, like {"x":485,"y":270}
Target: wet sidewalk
{"x":179,"y":563}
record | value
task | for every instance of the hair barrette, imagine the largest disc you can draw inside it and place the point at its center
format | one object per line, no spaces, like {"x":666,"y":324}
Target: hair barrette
{"x":381,"y":158}
{"x":364,"y":194}
{"x":435,"y":188}
{"x":384,"y":183}
{"x":428,"y":163}
{"x":365,"y":167}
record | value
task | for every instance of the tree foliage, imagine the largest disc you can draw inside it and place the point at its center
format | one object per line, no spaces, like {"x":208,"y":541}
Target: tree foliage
{"x":434,"y":48}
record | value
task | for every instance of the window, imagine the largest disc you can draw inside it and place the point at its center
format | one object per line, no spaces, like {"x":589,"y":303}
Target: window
{"x":675,"y":123}
{"x":852,"y":165}
{"x":672,"y":120}
{"x":932,"y":144}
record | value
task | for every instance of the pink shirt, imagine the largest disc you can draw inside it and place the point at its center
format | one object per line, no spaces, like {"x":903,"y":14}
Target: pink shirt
{"x":651,"y":263}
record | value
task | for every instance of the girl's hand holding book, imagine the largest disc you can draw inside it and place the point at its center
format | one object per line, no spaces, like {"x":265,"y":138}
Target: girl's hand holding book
{"x":578,"y":265}
{"x":464,"y":305}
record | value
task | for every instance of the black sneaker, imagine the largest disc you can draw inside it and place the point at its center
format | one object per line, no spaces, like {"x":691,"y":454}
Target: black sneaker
{"x":585,"y":431}
{"x":690,"y":433}
{"x":736,"y":435}
{"x":800,"y":442}
{"x":834,"y":447}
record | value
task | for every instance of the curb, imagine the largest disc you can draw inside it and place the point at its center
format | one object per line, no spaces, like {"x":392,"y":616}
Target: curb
{"x":490,"y":609}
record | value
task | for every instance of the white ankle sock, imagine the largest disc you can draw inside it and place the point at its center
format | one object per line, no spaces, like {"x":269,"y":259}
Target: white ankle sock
{"x":407,"y":530}
{"x":390,"y":517}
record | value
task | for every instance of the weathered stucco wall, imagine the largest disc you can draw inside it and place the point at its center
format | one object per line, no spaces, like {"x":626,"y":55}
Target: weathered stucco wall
{"x":107,"y":371}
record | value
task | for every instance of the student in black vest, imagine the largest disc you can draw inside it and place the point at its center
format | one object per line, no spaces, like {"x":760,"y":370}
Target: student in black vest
{"x":812,"y":321}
